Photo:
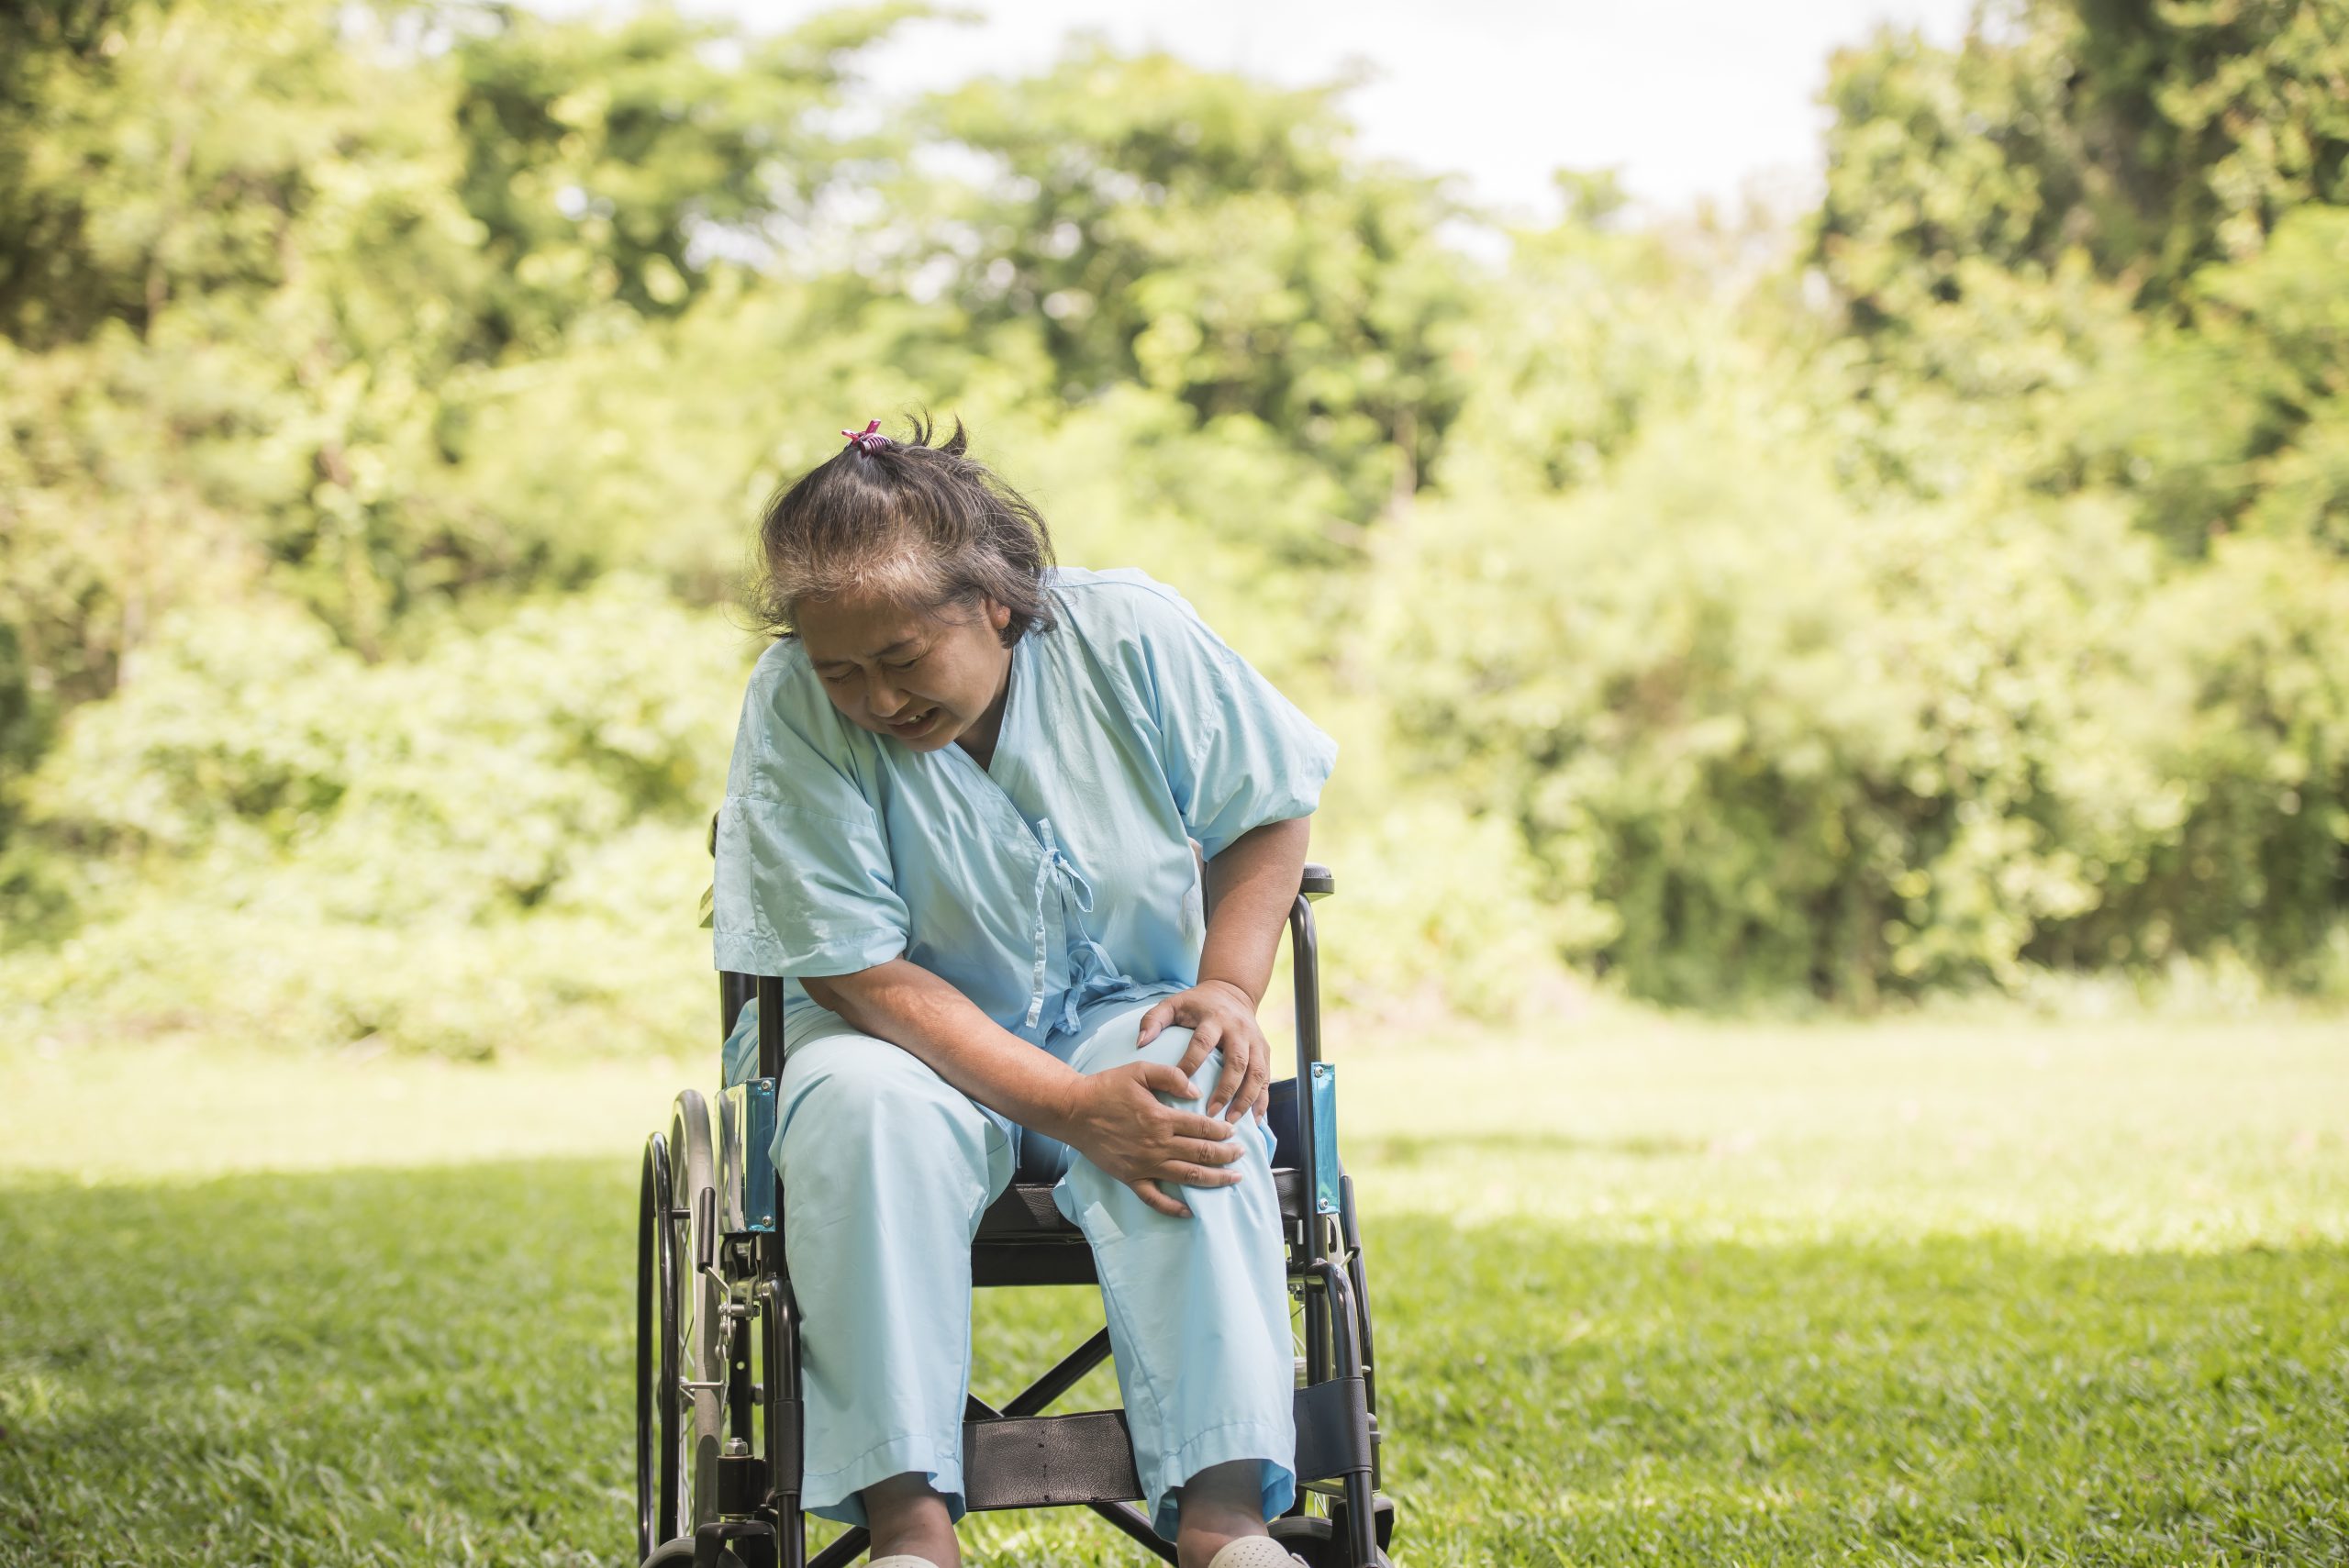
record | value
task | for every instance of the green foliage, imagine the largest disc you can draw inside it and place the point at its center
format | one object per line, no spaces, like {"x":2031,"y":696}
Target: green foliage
{"x":601,"y":162}
{"x":2250,"y":692}
{"x":494,"y":845}
{"x":2101,"y":245}
{"x":1592,"y":332}
{"x":226,"y":247}
{"x":1207,"y":238}
{"x":2157,"y":139}
{"x":1957,"y":605}
{"x":2205,"y":125}
{"x":1942,"y":160}
{"x":2243,"y":427}
{"x":272,"y":261}
{"x":1762,"y":739}
{"x":1778,"y":730}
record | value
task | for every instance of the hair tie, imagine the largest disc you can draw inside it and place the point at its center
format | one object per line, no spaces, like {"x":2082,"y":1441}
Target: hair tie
{"x":869,"y":440}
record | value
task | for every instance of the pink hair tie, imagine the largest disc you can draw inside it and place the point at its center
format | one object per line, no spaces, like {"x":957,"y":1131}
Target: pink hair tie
{"x":869,"y":440}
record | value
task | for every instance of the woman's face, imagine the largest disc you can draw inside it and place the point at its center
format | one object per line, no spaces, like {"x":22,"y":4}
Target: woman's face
{"x":921,"y":677}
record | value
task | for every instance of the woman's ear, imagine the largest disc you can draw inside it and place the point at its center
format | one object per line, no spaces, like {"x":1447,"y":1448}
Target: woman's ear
{"x":998,"y":616}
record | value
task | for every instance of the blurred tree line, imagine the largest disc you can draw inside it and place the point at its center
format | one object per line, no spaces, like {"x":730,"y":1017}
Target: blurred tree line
{"x":1956,"y":599}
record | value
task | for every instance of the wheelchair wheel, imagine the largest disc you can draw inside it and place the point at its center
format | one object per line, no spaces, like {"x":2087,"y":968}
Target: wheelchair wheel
{"x":678,"y":1307}
{"x":656,"y":1356}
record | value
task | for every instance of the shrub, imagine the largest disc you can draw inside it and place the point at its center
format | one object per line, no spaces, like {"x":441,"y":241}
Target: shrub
{"x":496,"y":844}
{"x":1772,"y":740}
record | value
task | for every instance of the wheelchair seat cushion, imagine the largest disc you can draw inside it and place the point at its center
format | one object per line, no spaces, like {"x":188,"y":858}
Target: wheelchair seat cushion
{"x":1026,"y":1211}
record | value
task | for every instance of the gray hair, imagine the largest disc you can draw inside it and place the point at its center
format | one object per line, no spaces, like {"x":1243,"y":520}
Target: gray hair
{"x":920,"y":525}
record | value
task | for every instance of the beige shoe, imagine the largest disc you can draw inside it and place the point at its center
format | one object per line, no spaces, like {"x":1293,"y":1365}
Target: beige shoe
{"x":1253,"y":1551}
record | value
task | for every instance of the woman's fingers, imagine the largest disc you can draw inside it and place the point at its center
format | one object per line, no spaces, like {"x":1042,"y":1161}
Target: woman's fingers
{"x":1160,"y":1014}
{"x":1197,"y":1175}
{"x":1251,"y":1085}
{"x":1204,"y":1036}
{"x":1153,"y":1194}
{"x":1159,"y":1078}
{"x":1191,"y":1124}
{"x":1208,"y":1152}
{"x":1240,"y":1055}
{"x":1162,"y":1079}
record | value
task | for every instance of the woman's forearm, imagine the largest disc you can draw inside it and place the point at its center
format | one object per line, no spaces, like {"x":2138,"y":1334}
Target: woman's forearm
{"x":1252,"y":886}
{"x":910,"y":1008}
{"x":1249,"y":888}
{"x":1122,"y":1118}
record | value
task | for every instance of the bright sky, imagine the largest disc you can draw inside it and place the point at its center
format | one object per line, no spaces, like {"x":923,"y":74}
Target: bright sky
{"x":1686,"y":98}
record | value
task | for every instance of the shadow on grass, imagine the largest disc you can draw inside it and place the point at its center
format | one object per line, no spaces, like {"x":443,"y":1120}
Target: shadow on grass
{"x":434,"y":1366}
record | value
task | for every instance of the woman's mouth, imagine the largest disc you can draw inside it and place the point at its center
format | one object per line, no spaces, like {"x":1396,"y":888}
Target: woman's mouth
{"x":908,"y":729}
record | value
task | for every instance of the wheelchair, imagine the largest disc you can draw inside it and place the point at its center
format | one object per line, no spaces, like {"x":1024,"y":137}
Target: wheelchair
{"x":717,"y":1389}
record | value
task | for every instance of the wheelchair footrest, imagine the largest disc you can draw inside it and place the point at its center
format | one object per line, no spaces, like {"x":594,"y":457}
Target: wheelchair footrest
{"x":1034,"y":1462}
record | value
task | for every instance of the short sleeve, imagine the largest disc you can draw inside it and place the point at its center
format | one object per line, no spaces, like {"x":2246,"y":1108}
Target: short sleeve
{"x":803,"y":878}
{"x":1238,"y":754}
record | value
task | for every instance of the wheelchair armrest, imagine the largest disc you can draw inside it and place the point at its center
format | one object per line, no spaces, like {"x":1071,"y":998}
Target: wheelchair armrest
{"x":1318,"y":882}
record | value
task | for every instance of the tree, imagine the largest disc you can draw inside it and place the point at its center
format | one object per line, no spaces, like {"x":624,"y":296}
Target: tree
{"x":2088,"y":247}
{"x":1215,"y":240}
{"x":623,"y":164}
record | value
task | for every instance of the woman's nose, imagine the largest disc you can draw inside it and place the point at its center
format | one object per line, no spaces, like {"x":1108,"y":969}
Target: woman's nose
{"x":882,"y":698}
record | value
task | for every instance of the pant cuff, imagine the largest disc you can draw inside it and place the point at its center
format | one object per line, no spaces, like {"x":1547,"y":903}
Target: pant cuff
{"x":1221,"y":1445}
{"x":837,"y":1494}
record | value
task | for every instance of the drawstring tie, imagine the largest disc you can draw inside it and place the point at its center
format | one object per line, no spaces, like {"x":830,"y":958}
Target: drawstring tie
{"x":1096,"y":974}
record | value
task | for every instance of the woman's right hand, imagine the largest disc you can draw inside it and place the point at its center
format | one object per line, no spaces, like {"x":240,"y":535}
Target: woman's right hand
{"x":1117,"y":1121}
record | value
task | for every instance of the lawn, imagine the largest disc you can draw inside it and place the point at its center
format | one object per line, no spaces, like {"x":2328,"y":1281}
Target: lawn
{"x":1985,"y":1290}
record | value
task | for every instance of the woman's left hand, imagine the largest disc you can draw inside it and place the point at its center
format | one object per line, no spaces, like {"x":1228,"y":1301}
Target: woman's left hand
{"x":1219,"y":1015}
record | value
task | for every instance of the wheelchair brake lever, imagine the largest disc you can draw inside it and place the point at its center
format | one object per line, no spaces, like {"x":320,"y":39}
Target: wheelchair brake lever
{"x":705,"y":1253}
{"x":705,"y":1216}
{"x":706,"y":1231}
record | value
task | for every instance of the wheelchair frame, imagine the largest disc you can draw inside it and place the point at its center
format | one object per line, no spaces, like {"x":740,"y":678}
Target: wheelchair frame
{"x":717,"y":1388}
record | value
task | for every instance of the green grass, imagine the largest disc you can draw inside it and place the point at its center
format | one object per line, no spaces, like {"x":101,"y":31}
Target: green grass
{"x":1994,"y":1291}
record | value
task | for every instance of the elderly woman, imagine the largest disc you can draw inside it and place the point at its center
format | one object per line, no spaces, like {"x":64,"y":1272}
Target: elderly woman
{"x":970,"y":800}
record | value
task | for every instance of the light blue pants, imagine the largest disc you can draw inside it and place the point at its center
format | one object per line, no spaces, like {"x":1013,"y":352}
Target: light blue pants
{"x":887,"y":1169}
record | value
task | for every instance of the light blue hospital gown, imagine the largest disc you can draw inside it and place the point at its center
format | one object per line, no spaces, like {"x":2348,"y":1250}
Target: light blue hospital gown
{"x":1056,"y":888}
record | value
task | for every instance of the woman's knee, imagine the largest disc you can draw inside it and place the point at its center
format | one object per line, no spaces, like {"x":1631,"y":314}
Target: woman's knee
{"x":1172,"y":1045}
{"x":1115,"y":1044}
